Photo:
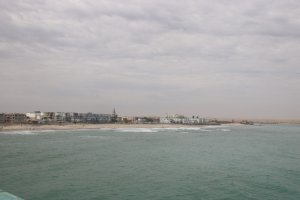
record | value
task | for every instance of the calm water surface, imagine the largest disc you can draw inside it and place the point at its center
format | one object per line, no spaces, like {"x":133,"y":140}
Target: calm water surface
{"x":243,"y":162}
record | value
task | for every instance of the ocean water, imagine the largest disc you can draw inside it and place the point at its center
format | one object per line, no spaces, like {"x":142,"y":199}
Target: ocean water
{"x":220,"y":162}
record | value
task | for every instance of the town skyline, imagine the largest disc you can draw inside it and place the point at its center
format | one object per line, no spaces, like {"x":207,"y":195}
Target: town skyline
{"x":166,"y":115}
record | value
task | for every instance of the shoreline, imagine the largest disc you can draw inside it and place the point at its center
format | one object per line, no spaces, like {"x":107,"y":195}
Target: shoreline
{"x":30,"y":127}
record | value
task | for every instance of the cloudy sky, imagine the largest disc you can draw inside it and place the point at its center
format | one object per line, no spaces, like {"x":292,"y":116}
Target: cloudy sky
{"x":218,"y":58}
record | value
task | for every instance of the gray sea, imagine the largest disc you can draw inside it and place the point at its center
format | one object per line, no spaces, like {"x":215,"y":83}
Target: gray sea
{"x":219,"y":162}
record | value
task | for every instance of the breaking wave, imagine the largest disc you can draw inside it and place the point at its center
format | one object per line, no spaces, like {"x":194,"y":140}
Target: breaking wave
{"x":154,"y":130}
{"x":27,"y":132}
{"x":225,"y":130}
{"x":19,"y":132}
{"x":137,"y":130}
{"x":186,"y":129}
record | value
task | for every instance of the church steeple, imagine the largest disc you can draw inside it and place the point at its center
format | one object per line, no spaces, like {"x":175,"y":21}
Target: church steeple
{"x":114,"y":116}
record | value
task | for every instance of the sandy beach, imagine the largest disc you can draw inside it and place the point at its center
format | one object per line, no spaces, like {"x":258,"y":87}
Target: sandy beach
{"x":26,"y":127}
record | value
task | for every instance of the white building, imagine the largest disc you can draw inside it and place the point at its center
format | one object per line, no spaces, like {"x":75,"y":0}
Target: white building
{"x":35,"y":116}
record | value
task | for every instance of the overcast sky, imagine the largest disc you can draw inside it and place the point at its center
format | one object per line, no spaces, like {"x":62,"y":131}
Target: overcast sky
{"x":217,"y":58}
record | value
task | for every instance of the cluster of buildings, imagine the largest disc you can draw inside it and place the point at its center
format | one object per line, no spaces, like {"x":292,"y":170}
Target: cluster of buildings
{"x":139,"y":120}
{"x":13,"y":118}
{"x":38,"y":117}
{"x":181,"y":119}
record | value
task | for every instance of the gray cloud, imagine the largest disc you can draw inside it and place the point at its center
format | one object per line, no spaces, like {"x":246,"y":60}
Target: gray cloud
{"x":217,"y":58}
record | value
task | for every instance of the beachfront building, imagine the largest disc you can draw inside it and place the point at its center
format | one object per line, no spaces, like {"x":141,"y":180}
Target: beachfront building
{"x":194,"y":120}
{"x":127,"y":120}
{"x":174,"y":119}
{"x":13,"y":118}
{"x":70,"y":117}
{"x":73,"y":117}
{"x":2,"y":117}
{"x":19,"y":118}
{"x":34,"y":116}
{"x":103,"y":118}
{"x":164,"y":120}
{"x":181,"y":119}
{"x":39,"y":117}
{"x":87,"y":118}
{"x":48,"y":117}
{"x":146,"y":120}
{"x":59,"y":117}
{"x":95,"y":118}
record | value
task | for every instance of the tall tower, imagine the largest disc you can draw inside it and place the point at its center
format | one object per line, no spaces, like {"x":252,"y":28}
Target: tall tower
{"x":114,"y":116}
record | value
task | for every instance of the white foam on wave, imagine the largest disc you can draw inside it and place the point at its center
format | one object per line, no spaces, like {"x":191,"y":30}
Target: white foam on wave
{"x":179,"y":129}
{"x":206,"y":130}
{"x":136,"y":130}
{"x":191,"y":128}
{"x":186,"y":129}
{"x":19,"y":132}
{"x":154,"y":130}
{"x":225,"y":130}
{"x":216,"y":126}
{"x":28,"y":132}
{"x":105,"y":129}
